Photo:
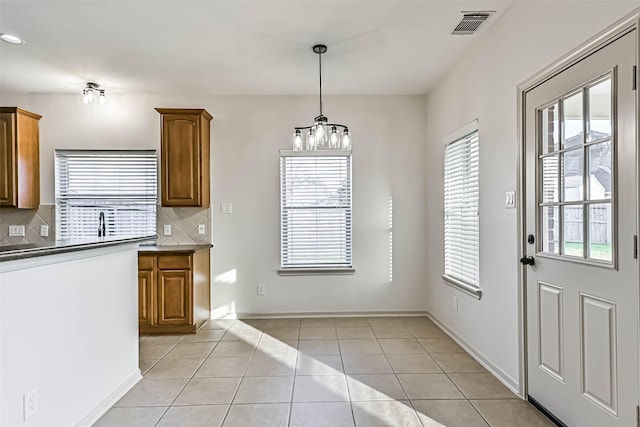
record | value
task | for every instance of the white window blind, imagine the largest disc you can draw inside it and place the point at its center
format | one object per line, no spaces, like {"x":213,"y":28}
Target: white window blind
{"x":315,"y":208}
{"x":121,"y":184}
{"x":461,"y":216}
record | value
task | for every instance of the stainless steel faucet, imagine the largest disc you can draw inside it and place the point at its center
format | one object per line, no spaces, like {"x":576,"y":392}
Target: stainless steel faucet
{"x":101,"y":225}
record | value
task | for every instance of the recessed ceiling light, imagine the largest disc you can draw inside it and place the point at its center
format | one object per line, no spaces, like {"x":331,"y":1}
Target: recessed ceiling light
{"x":10,"y":38}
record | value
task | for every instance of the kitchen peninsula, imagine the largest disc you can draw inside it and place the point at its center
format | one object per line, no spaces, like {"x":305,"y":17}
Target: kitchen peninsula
{"x":68,"y":329}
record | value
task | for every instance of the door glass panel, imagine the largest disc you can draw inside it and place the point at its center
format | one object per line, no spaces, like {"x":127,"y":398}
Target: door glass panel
{"x":600,"y":110}
{"x":550,"y":179}
{"x":600,"y":229}
{"x":573,"y":121}
{"x":573,"y":231}
{"x":551,"y":229}
{"x":572,"y":171}
{"x":600,"y":178}
{"x":550,"y":131}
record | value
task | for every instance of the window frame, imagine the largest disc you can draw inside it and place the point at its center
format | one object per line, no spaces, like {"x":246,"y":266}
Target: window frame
{"x":313,"y":269}
{"x":106,"y":201}
{"x":459,"y":136}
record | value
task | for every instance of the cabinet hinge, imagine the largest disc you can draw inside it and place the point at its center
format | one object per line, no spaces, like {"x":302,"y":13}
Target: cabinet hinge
{"x":635,"y":250}
{"x":634,"y":77}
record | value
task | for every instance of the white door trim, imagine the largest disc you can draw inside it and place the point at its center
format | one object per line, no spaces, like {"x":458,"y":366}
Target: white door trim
{"x":619,"y":28}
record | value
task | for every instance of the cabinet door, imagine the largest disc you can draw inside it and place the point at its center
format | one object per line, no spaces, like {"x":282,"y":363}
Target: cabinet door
{"x":7,"y":180}
{"x":174,"y":297}
{"x":28,"y":160}
{"x":145,"y":289}
{"x":181,"y":160}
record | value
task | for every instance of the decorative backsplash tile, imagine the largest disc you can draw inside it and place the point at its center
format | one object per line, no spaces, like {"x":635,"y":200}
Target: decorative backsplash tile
{"x":184,"y":225}
{"x":32,"y":219}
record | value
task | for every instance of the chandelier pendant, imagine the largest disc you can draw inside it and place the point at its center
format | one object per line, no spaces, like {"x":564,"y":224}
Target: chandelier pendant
{"x":321,"y":135}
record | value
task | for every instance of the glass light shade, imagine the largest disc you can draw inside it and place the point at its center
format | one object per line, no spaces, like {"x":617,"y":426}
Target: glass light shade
{"x":320,"y":134}
{"x":297,"y":141}
{"x":311,"y":140}
{"x":102,"y":98}
{"x":346,"y":140}
{"x":87,"y":96}
{"x":334,"y":139}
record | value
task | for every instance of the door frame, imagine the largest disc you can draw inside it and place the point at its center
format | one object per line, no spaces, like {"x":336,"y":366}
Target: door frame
{"x":620,"y":27}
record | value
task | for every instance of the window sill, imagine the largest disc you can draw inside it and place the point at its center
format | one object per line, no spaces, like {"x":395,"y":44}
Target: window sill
{"x":317,"y":271}
{"x":462,"y":286}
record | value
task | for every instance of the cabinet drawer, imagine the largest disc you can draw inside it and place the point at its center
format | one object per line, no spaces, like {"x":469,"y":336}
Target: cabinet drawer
{"x":145,"y":262}
{"x":174,"y":262}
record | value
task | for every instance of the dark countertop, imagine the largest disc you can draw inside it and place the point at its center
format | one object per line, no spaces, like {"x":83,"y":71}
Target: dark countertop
{"x":15,"y":252}
{"x":190,"y":249}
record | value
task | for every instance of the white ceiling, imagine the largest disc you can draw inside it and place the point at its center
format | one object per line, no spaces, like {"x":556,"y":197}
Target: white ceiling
{"x":236,"y":47}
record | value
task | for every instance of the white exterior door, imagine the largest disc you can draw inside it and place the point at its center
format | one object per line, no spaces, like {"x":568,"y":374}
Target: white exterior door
{"x":580,"y":222}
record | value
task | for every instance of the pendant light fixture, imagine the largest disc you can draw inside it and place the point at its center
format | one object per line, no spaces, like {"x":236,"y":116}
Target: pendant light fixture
{"x":92,"y":93}
{"x":321,"y":135}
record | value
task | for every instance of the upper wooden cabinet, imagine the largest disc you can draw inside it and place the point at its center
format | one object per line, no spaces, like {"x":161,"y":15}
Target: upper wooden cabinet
{"x":184,"y":157}
{"x":19,"y":158}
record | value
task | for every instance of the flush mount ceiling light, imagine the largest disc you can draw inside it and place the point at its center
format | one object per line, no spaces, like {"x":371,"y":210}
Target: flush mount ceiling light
{"x":322,"y":134}
{"x":10,"y":38}
{"x":92,"y":93}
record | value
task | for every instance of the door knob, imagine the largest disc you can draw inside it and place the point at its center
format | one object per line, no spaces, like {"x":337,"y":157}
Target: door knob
{"x":527,"y":260}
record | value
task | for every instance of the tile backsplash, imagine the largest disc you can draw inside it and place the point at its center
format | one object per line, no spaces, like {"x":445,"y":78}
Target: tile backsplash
{"x":184,"y":225}
{"x":32,"y":219}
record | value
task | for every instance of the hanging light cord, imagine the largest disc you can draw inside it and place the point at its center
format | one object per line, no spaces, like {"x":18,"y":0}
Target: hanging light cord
{"x":320,"y":79}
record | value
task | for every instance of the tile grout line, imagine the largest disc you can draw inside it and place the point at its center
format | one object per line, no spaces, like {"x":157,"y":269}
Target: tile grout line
{"x":185,"y":384}
{"x":295,"y":369}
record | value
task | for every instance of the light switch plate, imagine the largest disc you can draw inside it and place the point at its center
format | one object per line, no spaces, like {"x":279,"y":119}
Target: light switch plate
{"x":226,"y":208}
{"x":16,"y":230}
{"x":167,"y":230}
{"x":510,"y":200}
{"x":44,"y":230}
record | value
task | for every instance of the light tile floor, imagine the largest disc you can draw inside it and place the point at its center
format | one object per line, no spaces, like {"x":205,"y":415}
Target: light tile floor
{"x":377,"y":371}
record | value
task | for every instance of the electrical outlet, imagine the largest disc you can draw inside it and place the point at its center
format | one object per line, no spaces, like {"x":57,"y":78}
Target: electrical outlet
{"x":167,"y":230}
{"x":16,"y":230}
{"x":202,"y":229}
{"x":44,"y":230}
{"x":261,"y":289}
{"x":30,"y":403}
{"x":455,"y":303}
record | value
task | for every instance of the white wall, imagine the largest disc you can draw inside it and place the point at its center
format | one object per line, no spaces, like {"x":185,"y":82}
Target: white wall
{"x":483,"y":85}
{"x":69,"y":329}
{"x":247,"y":132}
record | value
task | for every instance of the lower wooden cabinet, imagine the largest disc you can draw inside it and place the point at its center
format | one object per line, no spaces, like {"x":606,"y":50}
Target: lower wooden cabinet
{"x":173,"y":291}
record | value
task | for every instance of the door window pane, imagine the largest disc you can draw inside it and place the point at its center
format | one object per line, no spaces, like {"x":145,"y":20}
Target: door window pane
{"x":573,"y":239}
{"x":550,"y":179}
{"x":551,"y":229}
{"x":600,"y":111}
{"x":600,"y":171}
{"x":550,"y":131}
{"x":573,"y":121}
{"x":600,"y":228}
{"x":572,"y":171}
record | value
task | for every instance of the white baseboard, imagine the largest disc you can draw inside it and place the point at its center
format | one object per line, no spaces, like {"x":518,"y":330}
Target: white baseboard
{"x":320,"y":314}
{"x":110,"y":400}
{"x":502,"y":376}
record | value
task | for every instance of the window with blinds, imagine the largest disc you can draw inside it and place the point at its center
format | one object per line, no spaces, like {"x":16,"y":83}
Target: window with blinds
{"x":461,"y":216}
{"x":315,"y":209}
{"x":121,"y":184}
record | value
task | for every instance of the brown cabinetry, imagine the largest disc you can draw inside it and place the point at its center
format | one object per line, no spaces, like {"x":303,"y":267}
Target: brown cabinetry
{"x":184,"y":157}
{"x":19,"y":158}
{"x":173,"y":291}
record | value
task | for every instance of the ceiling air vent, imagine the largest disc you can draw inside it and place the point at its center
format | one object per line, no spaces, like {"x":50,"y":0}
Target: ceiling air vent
{"x":470,"y":23}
